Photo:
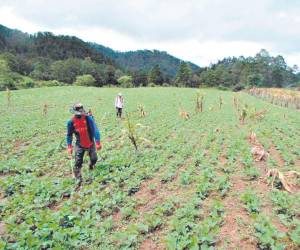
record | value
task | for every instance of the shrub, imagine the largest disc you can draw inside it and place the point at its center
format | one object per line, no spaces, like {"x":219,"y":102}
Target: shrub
{"x":238,"y":87}
{"x":151,"y":84}
{"x":7,"y":85}
{"x":26,"y":83}
{"x":125,"y":81}
{"x":85,"y":80}
{"x":222,"y":87}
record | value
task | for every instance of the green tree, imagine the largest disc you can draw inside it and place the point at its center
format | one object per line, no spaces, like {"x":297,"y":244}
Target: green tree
{"x":155,"y":75}
{"x":66,"y":71}
{"x":125,"y":81}
{"x":255,"y":79}
{"x":85,"y":80}
{"x":184,"y":75}
{"x":140,"y":78}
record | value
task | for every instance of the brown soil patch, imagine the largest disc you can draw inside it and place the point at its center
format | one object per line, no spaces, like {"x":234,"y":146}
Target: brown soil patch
{"x":145,"y":192}
{"x":117,"y":216}
{"x":55,"y":206}
{"x":235,"y":232}
{"x":2,"y":228}
{"x":148,"y":198}
{"x":17,"y":144}
{"x":149,"y":244}
{"x":276,"y":155}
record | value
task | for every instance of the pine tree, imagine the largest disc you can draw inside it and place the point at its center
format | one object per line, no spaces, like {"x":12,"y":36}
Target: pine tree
{"x":155,"y":75}
{"x":184,"y":75}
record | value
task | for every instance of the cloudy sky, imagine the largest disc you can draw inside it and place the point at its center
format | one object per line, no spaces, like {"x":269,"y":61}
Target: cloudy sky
{"x":201,"y":31}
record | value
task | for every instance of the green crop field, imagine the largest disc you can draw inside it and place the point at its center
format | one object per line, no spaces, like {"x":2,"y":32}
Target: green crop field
{"x":197,"y":183}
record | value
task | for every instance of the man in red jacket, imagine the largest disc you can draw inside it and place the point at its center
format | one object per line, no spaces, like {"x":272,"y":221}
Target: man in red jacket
{"x":86,"y":133}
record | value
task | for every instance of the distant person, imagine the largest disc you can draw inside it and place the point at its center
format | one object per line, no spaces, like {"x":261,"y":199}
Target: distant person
{"x":87,"y":136}
{"x":119,"y":104}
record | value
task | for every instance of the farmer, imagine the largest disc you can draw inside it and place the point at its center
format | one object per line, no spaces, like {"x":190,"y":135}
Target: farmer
{"x":86,"y":133}
{"x":119,"y":103}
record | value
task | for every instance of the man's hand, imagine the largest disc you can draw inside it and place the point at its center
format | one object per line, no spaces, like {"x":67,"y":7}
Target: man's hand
{"x":98,"y":145}
{"x":70,"y":149}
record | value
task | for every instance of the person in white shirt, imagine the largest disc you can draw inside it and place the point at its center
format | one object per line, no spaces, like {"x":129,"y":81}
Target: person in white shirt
{"x":119,"y":104}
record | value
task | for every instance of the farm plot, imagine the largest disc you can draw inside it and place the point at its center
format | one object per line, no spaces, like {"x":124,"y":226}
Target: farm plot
{"x":203,"y":175}
{"x":279,"y":96}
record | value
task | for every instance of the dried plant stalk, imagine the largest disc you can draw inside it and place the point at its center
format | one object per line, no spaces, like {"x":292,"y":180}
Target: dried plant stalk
{"x":259,"y":153}
{"x":8,"y":96}
{"x":141,"y":110}
{"x":199,"y":103}
{"x":275,"y":173}
{"x":45,"y":109}
{"x":131,"y":132}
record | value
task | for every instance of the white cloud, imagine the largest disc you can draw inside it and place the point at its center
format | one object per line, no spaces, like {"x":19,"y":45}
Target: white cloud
{"x":10,"y":19}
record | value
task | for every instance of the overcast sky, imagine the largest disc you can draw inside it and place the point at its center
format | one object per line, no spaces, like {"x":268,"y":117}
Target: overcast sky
{"x":201,"y":31}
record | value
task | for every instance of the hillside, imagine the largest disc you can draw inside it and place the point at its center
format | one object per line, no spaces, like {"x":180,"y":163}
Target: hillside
{"x":145,"y":60}
{"x":47,"y":45}
{"x":45,"y":56}
{"x":197,"y":183}
{"x":44,"y":59}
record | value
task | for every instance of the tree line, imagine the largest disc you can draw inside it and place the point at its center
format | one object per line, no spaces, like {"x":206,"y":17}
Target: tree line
{"x":46,"y":59}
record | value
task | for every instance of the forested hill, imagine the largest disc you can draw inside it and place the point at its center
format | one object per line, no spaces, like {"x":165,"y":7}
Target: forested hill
{"x":47,"y":45}
{"x":262,"y":70}
{"x":44,"y":59}
{"x":145,"y":60}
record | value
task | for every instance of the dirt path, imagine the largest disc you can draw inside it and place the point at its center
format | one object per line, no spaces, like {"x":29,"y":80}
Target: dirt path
{"x":148,"y":198}
{"x":235,"y":232}
{"x":263,"y":189}
{"x":275,"y":154}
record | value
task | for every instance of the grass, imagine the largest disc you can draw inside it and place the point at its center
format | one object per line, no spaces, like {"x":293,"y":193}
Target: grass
{"x":184,"y":205}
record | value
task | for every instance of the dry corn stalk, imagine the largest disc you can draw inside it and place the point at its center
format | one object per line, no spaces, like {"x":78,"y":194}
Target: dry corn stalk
{"x":235,"y":102}
{"x":45,"y":109}
{"x":199,"y":103}
{"x":147,"y":142}
{"x":259,"y":115}
{"x":122,"y":138}
{"x":8,"y":96}
{"x":275,"y":173}
{"x":292,"y":174}
{"x":243,"y":115}
{"x":259,"y":153}
{"x":252,"y":138}
{"x":141,"y":110}
{"x":183,"y":114}
{"x":131,"y":132}
{"x":220,"y":101}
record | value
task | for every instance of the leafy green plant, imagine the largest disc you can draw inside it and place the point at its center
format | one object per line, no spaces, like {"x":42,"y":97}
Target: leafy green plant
{"x":284,"y":203}
{"x":153,"y":221}
{"x":268,"y":236}
{"x":128,"y":212}
{"x":185,"y":178}
{"x":223,"y":184}
{"x":252,"y":172}
{"x":251,"y":201}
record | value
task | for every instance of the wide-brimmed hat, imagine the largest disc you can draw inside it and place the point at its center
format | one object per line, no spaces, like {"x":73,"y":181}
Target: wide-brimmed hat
{"x":120,"y":94}
{"x":77,"y":109}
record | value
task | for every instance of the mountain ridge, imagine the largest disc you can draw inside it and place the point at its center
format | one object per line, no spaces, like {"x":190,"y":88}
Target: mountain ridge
{"x":61,"y":47}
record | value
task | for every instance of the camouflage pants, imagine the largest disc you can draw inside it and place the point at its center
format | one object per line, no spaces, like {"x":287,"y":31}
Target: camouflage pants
{"x":79,"y":154}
